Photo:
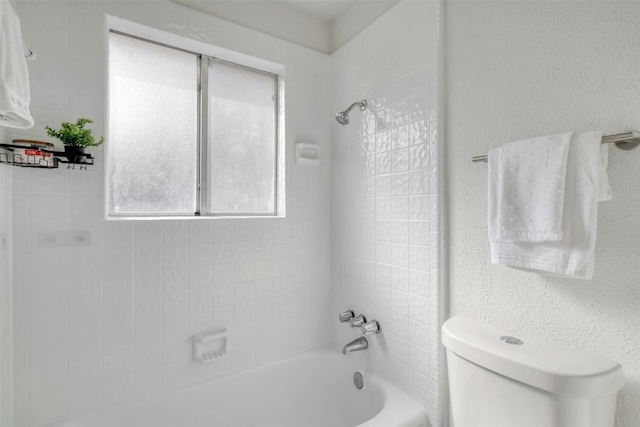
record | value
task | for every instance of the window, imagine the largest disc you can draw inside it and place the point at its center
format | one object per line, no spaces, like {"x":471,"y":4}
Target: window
{"x":189,"y":134}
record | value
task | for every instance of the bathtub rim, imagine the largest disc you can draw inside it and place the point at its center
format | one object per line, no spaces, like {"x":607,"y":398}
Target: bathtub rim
{"x":395,"y":402}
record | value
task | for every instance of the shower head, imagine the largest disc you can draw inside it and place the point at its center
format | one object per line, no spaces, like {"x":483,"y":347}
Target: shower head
{"x":343,"y":116}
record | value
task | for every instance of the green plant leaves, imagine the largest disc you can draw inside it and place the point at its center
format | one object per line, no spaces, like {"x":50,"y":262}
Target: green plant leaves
{"x":74,"y":134}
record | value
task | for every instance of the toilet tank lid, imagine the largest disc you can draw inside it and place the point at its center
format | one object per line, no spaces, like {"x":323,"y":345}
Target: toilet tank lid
{"x":538,"y":363}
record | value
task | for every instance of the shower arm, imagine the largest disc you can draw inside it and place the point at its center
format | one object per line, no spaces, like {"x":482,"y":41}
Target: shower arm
{"x":343,"y":116}
{"x":361,"y":104}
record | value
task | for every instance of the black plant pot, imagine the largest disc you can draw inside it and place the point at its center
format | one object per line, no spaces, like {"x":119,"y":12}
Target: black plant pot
{"x":75,"y":154}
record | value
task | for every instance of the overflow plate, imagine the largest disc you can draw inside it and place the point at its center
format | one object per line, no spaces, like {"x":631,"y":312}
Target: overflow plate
{"x":358,"y":381}
{"x":511,"y":340}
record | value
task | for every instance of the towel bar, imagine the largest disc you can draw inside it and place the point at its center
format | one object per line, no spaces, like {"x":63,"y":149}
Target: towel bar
{"x":625,"y":141}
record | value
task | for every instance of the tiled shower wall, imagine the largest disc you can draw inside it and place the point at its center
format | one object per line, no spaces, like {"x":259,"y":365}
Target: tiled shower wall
{"x":104,"y":310}
{"x":385,"y":197}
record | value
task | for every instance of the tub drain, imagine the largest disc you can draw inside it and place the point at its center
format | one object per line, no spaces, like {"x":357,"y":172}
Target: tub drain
{"x":357,"y":380}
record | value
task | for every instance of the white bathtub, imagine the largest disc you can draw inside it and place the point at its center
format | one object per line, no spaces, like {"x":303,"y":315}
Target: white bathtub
{"x":314,"y":389}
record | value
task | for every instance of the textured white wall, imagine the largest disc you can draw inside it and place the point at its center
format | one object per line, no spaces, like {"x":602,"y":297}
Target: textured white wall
{"x":519,"y":69}
{"x":385,"y":183}
{"x":110,"y":319}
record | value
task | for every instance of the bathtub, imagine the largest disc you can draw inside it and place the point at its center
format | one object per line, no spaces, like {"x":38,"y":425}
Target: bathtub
{"x":313,"y":389}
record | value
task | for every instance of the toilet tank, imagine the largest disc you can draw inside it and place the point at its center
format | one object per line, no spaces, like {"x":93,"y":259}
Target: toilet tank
{"x":501,"y":378}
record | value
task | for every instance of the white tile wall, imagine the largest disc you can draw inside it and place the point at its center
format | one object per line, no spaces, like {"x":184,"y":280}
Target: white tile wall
{"x":104,"y":311}
{"x":385,"y":236}
{"x":6,"y":277}
{"x":115,"y":311}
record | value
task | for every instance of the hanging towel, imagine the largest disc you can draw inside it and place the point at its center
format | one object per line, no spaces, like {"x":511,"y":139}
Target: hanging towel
{"x":527,"y":188}
{"x":15,"y":95}
{"x":603,"y":180}
{"x":573,"y":256}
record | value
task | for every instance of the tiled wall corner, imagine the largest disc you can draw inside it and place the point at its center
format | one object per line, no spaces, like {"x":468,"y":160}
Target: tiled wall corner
{"x":385,"y":196}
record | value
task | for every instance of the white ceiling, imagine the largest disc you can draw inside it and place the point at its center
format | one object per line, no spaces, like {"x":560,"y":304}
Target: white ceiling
{"x":322,"y":25}
{"x":322,"y":10}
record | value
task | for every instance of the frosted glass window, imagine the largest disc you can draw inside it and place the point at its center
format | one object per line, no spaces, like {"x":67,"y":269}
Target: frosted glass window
{"x":153,"y":128}
{"x":190,"y":134}
{"x":241,"y":140}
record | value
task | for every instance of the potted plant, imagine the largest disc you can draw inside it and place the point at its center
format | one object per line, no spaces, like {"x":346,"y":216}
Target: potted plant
{"x":75,"y":138}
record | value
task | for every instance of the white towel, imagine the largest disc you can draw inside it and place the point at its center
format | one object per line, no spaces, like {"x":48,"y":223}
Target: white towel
{"x":573,"y":256}
{"x":15,"y":95}
{"x":526,"y":189}
{"x":605,"y":188}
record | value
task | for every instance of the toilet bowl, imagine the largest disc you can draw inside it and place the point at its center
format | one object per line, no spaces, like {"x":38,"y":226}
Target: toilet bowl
{"x":500,"y":378}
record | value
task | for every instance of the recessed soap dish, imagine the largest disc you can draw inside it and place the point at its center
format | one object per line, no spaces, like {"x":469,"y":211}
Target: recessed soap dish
{"x":308,"y":152}
{"x":210,"y":346}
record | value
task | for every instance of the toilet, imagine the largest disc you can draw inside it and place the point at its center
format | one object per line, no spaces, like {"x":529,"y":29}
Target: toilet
{"x":500,"y":378}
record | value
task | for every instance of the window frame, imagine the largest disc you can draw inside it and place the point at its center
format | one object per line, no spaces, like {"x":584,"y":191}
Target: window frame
{"x":203,"y":143}
{"x":204,"y":53}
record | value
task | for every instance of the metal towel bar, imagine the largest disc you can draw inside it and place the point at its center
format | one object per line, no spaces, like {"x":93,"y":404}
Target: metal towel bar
{"x":625,"y":141}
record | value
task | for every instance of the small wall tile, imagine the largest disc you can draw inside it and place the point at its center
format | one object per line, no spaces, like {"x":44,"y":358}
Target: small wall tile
{"x":85,"y":183}
{"x":223,"y":230}
{"x":399,"y":184}
{"x":399,"y":302}
{"x":117,"y":389}
{"x":117,"y":363}
{"x":265,"y":249}
{"x":245,"y":230}
{"x":418,"y":156}
{"x":400,"y":254}
{"x":419,"y":334}
{"x":148,"y":381}
{"x":84,"y":398}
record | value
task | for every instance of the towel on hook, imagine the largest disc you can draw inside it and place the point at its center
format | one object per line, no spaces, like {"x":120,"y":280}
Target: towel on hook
{"x":586,"y":183}
{"x":15,"y":94}
{"x":527,"y":189}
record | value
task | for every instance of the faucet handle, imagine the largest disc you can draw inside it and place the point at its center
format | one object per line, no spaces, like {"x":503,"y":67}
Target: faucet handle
{"x":369,"y":328}
{"x":346,"y":316}
{"x":357,"y":321}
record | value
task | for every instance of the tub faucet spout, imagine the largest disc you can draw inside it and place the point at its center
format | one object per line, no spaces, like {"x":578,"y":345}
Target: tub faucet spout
{"x":356,"y":345}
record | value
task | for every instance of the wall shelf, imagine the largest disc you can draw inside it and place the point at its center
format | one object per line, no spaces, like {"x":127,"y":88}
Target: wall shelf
{"x":37,"y":157}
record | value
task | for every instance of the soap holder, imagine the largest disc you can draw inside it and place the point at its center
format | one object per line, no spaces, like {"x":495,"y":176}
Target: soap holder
{"x":308,"y":152}
{"x":210,"y":346}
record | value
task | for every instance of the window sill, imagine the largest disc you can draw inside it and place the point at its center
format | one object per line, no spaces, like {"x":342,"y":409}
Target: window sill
{"x":189,"y":218}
